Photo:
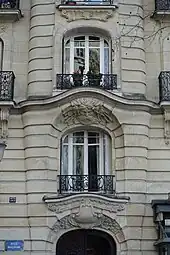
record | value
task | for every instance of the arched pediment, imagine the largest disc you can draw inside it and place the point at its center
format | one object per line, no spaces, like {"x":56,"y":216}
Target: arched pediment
{"x":87,"y":211}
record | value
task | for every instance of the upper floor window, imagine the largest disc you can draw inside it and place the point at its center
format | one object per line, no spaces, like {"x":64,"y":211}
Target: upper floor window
{"x":86,"y":53}
{"x":1,"y":53}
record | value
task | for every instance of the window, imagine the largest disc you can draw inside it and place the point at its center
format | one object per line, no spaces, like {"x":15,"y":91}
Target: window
{"x":86,"y":162}
{"x":1,"y":53}
{"x":86,"y":53}
{"x":85,"y":153}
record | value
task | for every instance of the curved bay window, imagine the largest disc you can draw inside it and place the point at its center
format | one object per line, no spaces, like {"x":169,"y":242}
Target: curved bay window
{"x":86,"y":162}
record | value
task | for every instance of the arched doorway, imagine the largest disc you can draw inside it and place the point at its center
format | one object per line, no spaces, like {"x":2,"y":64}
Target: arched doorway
{"x":86,"y":242}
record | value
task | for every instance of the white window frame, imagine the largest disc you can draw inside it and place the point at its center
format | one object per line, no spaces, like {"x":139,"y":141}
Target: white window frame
{"x":104,"y":167}
{"x":87,"y":47}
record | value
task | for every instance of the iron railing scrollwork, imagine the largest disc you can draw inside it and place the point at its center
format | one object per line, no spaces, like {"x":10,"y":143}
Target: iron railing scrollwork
{"x":9,"y":4}
{"x":6,"y":85}
{"x":86,"y":183}
{"x":103,"y":81}
{"x":162,"y":5}
{"x":164,"y":86}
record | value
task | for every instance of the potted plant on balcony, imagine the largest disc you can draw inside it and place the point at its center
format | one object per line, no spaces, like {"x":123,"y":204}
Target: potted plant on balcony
{"x":77,"y":79}
{"x":94,"y":78}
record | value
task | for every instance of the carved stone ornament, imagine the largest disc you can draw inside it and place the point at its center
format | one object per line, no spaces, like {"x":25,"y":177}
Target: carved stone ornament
{"x":87,"y":111}
{"x":3,"y":26}
{"x":101,"y":221}
{"x":167,"y":124}
{"x":4,"y":117}
{"x":93,"y":202}
{"x":87,"y":14}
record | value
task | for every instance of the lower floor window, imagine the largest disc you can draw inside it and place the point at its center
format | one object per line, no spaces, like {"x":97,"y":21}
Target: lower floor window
{"x":86,"y":153}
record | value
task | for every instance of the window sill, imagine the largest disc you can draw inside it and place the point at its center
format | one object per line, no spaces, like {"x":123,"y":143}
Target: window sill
{"x":10,"y":14}
{"x":158,"y":14}
{"x":84,"y":6}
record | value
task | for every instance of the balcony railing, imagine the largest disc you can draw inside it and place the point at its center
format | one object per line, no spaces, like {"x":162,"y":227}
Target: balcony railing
{"x":9,"y":4}
{"x":164,"y":86}
{"x":86,"y":183}
{"x":102,"y":81}
{"x":162,"y":5}
{"x":6,"y":85}
{"x":88,"y":2}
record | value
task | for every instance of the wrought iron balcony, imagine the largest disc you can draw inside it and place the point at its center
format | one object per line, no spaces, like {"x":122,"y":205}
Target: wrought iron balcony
{"x":86,"y":183}
{"x":87,"y":2}
{"x":6,"y":85}
{"x":9,"y":4}
{"x":102,"y":81}
{"x":162,"y":5}
{"x":164,"y":86}
{"x":10,"y":10}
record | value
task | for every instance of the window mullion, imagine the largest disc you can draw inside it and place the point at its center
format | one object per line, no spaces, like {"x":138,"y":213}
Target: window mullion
{"x":71,"y":55}
{"x":107,"y":155}
{"x":70,"y":154}
{"x":86,"y":54}
{"x":85,"y":153}
{"x":101,"y":153}
{"x":102,"y":56}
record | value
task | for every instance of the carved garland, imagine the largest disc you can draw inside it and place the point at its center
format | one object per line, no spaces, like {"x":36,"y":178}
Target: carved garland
{"x":103,"y":222}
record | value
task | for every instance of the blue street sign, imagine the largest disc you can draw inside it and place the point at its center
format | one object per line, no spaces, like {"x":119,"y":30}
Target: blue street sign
{"x":14,"y":245}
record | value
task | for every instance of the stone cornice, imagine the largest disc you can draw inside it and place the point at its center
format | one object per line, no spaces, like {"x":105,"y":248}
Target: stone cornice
{"x":105,"y":96}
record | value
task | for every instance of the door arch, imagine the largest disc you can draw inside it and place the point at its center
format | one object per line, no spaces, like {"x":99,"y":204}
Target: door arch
{"x":86,"y":242}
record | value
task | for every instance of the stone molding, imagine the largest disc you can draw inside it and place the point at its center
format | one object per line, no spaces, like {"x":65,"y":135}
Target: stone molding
{"x":87,"y":14}
{"x":105,"y":96}
{"x":60,"y":205}
{"x":86,"y":211}
{"x":101,"y":221}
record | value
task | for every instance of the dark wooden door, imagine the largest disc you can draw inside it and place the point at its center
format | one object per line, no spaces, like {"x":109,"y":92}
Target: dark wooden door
{"x":84,"y":242}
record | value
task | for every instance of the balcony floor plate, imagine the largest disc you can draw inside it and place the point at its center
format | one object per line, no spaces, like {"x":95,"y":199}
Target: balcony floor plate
{"x":10,"y":15}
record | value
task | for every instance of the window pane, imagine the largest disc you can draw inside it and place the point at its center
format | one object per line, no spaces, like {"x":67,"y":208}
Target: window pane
{"x":106,"y":43}
{"x":93,"y":138}
{"x":65,"y":160}
{"x":1,"y":54}
{"x":94,"y":60}
{"x":79,"y":41}
{"x":106,"y":60}
{"x":78,"y":159}
{"x":79,"y":59}
{"x":67,"y":43}
{"x":67,"y":60}
{"x":94,"y":41}
{"x":65,"y":139}
{"x":78,"y":137}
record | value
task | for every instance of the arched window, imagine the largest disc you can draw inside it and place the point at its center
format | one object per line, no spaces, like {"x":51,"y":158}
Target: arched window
{"x":90,"y":53}
{"x":1,"y":53}
{"x":86,"y":160}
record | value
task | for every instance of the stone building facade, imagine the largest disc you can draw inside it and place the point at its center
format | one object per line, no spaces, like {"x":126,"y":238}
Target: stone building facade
{"x":84,"y":99}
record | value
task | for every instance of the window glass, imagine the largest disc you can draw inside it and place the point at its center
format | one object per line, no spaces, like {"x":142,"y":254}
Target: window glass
{"x":86,"y":153}
{"x":86,"y":53}
{"x":1,"y":54}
